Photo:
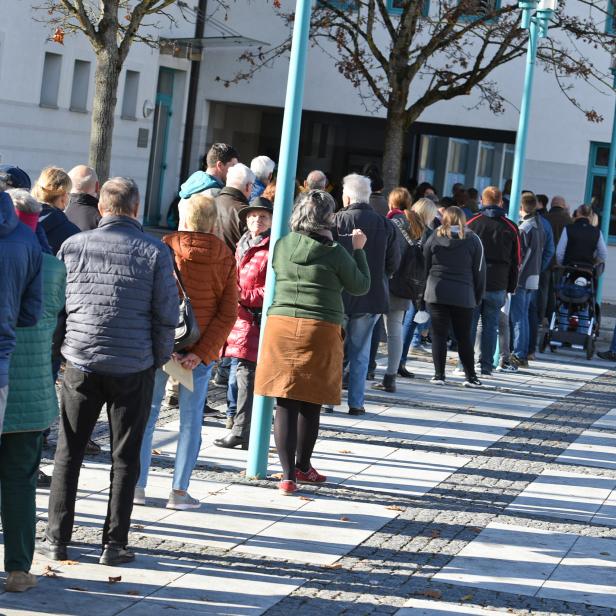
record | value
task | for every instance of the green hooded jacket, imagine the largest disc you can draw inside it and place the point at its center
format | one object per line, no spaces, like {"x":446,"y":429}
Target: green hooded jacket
{"x":32,"y":404}
{"x":311,"y":275}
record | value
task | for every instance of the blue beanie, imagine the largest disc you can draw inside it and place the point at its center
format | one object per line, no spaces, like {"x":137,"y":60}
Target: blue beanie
{"x":16,"y":177}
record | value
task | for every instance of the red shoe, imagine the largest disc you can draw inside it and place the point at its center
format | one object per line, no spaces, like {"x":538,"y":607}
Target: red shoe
{"x":311,"y":476}
{"x":287,"y":487}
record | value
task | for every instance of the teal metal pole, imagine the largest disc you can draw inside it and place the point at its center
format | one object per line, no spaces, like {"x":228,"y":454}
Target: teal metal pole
{"x":521,"y":138}
{"x":609,"y":192}
{"x":263,"y":407}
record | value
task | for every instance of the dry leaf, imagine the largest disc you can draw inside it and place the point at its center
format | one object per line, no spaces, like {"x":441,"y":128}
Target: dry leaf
{"x":435,"y":533}
{"x":468,"y":597}
{"x":115,"y":580}
{"x":345,"y":451}
{"x":277,"y":476}
{"x":476,"y":529}
{"x":77,"y":588}
{"x":433,"y":594}
{"x":156,"y":452}
{"x":306,"y":498}
{"x":69,"y":562}
{"x":395,"y":507}
{"x":333,"y":566}
{"x":344,"y":519}
{"x":138,"y":526}
{"x":134,"y":593}
{"x":48,"y":571}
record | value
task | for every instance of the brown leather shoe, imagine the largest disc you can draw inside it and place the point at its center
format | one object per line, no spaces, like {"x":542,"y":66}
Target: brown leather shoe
{"x":19,"y":581}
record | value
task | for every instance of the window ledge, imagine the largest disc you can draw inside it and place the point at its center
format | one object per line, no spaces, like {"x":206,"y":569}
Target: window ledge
{"x":130,"y":118}
{"x":47,"y":106}
{"x":78,"y":109}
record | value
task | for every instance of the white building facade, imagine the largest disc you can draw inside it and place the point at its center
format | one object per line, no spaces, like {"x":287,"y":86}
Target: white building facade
{"x":47,"y":89}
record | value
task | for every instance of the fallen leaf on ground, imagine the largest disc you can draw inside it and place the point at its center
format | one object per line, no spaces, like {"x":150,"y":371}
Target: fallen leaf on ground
{"x":344,"y":519}
{"x":277,"y":476}
{"x":395,"y":507}
{"x":345,"y":451}
{"x":435,"y":533}
{"x":433,"y":594}
{"x":77,"y":588}
{"x":306,"y":498}
{"x":468,"y":597}
{"x":333,"y":566}
{"x":48,"y":571}
{"x":134,"y":593}
{"x":138,"y":526}
{"x":156,"y":452}
{"x":69,"y":562}
{"x":115,"y":580}
{"x":476,"y":529}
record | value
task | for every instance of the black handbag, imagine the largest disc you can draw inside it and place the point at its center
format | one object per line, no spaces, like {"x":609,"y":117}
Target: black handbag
{"x":187,"y":331}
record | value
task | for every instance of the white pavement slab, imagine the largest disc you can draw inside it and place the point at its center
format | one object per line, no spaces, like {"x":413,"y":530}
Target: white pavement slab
{"x":424,"y":607}
{"x":592,"y":448}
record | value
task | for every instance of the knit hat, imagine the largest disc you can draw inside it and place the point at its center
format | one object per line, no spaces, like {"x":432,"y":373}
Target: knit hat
{"x":15,"y":177}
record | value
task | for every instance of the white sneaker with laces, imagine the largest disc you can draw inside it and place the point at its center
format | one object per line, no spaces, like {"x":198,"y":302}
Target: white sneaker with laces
{"x":436,"y":381}
{"x":181,"y":502}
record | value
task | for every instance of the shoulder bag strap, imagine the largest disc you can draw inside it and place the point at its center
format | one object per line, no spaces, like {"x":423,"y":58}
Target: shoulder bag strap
{"x":178,"y":276}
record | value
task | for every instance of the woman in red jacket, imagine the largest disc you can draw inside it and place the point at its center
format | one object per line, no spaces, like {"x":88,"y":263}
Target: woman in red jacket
{"x":243,"y":342}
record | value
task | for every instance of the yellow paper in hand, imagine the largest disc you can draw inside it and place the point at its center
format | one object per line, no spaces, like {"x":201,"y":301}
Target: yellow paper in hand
{"x":183,"y":376}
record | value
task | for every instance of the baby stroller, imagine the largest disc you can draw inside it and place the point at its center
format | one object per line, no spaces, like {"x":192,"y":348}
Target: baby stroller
{"x":576,"y":319}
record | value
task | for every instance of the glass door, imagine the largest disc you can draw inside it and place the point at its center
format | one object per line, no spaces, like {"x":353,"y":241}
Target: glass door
{"x":596,"y":181}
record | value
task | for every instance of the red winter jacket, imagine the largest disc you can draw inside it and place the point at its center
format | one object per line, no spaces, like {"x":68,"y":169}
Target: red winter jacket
{"x":243,"y":341}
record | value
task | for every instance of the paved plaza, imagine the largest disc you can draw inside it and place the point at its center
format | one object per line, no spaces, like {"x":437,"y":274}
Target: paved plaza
{"x":439,"y":501}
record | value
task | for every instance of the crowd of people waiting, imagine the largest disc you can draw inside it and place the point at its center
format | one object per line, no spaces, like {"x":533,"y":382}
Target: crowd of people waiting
{"x":85,"y":287}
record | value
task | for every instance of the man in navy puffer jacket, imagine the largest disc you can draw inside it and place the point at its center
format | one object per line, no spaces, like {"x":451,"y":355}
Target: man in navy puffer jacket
{"x":20,"y":286}
{"x":122,"y":310}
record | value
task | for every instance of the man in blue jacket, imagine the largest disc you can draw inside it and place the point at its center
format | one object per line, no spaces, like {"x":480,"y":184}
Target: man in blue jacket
{"x":122,"y":310}
{"x":21,"y":288}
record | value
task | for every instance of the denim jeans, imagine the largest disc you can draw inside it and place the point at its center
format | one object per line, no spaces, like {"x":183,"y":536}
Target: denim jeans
{"x":191,"y":418}
{"x":533,"y":320}
{"x":613,"y":344}
{"x":358,"y":329}
{"x":232,"y":388}
{"x":409,"y":328}
{"x":393,"y":326}
{"x":4,"y":394}
{"x":488,"y":310}
{"x":245,"y":371}
{"x":520,"y":302}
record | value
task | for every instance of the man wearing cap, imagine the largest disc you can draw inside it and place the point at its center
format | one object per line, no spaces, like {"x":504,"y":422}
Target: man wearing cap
{"x":243,"y":341}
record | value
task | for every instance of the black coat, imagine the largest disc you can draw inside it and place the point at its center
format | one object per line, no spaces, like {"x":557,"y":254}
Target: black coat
{"x":382,"y":252}
{"x":57,"y":226}
{"x":82,"y":211}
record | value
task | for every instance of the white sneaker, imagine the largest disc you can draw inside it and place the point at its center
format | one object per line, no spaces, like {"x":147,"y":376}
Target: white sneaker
{"x":506,"y":368}
{"x":181,"y":502}
{"x":139,"y":498}
{"x":459,"y":371}
{"x":436,"y":381}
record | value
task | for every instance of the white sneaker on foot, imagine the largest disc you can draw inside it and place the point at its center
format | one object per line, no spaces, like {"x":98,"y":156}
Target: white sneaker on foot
{"x":436,"y":381}
{"x":139,"y":498}
{"x":181,"y":502}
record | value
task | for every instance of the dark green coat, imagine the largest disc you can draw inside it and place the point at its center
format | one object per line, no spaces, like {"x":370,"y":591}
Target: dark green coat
{"x":32,"y":404}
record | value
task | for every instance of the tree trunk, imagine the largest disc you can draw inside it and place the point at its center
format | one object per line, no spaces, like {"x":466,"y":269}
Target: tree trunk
{"x":106,"y":79}
{"x":394,"y":145}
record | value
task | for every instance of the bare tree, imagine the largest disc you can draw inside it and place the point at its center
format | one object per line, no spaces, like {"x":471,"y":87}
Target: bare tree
{"x":405,"y":60}
{"x":111,"y":27}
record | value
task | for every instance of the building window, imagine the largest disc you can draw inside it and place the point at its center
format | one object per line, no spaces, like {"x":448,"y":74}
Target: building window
{"x":596,"y":183}
{"x":81,"y":82}
{"x":457,"y":166}
{"x":50,"y":85}
{"x":131,"y":89}
{"x":610,"y":21}
{"x":350,"y":5}
{"x":474,"y":9}
{"x":397,"y":6}
{"x":485,"y":166}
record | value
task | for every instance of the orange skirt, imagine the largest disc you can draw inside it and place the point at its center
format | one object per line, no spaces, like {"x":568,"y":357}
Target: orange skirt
{"x":301,"y":359}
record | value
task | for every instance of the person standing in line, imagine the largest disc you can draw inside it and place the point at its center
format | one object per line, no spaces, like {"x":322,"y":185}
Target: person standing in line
{"x":82,"y":209}
{"x":362,"y":312}
{"x":407,"y":283}
{"x":456,"y":283}
{"x":263,"y":168}
{"x":301,"y":355}
{"x":207,"y":271}
{"x":532,"y":243}
{"x":501,"y":245}
{"x":315,"y":180}
{"x":31,"y":407}
{"x":52,"y":189}
{"x":21,"y":288}
{"x":122,"y":310}
{"x":243,"y":341}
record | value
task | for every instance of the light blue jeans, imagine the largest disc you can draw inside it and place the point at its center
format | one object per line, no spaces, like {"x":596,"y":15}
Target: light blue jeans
{"x":191,"y":418}
{"x":358,"y":330}
{"x":520,"y":302}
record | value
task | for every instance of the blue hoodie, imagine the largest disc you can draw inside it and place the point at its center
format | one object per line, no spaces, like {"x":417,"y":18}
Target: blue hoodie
{"x":198,"y":182}
{"x":21,"y":301}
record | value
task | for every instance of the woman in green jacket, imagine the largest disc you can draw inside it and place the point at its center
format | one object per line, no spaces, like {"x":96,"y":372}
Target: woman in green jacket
{"x":32,"y":406}
{"x":301,"y":356}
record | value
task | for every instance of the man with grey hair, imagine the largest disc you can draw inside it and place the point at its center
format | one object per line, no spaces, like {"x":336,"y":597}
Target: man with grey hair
{"x":231,"y":199}
{"x":82,"y":208}
{"x":315,"y":180}
{"x":122,"y":310}
{"x":263,"y":168}
{"x":362,"y":313}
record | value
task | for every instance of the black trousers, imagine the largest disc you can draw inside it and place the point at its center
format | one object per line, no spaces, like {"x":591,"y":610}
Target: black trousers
{"x":128,"y":399}
{"x":245,"y":393}
{"x":460,"y":319}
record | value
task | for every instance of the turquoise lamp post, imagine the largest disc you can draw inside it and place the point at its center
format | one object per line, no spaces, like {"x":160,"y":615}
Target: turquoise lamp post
{"x":535,"y":18}
{"x":609,"y":185}
{"x":262,"y":408}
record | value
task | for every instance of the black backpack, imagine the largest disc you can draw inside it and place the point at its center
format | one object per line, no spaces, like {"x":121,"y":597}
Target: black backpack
{"x":409,"y":281}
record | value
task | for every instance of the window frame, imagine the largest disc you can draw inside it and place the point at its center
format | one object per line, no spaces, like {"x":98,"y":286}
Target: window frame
{"x":425,"y":11}
{"x":474,"y":16}
{"x":593,"y":170}
{"x":58,"y":57}
{"x":72,"y":106}
{"x":130,"y":114}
